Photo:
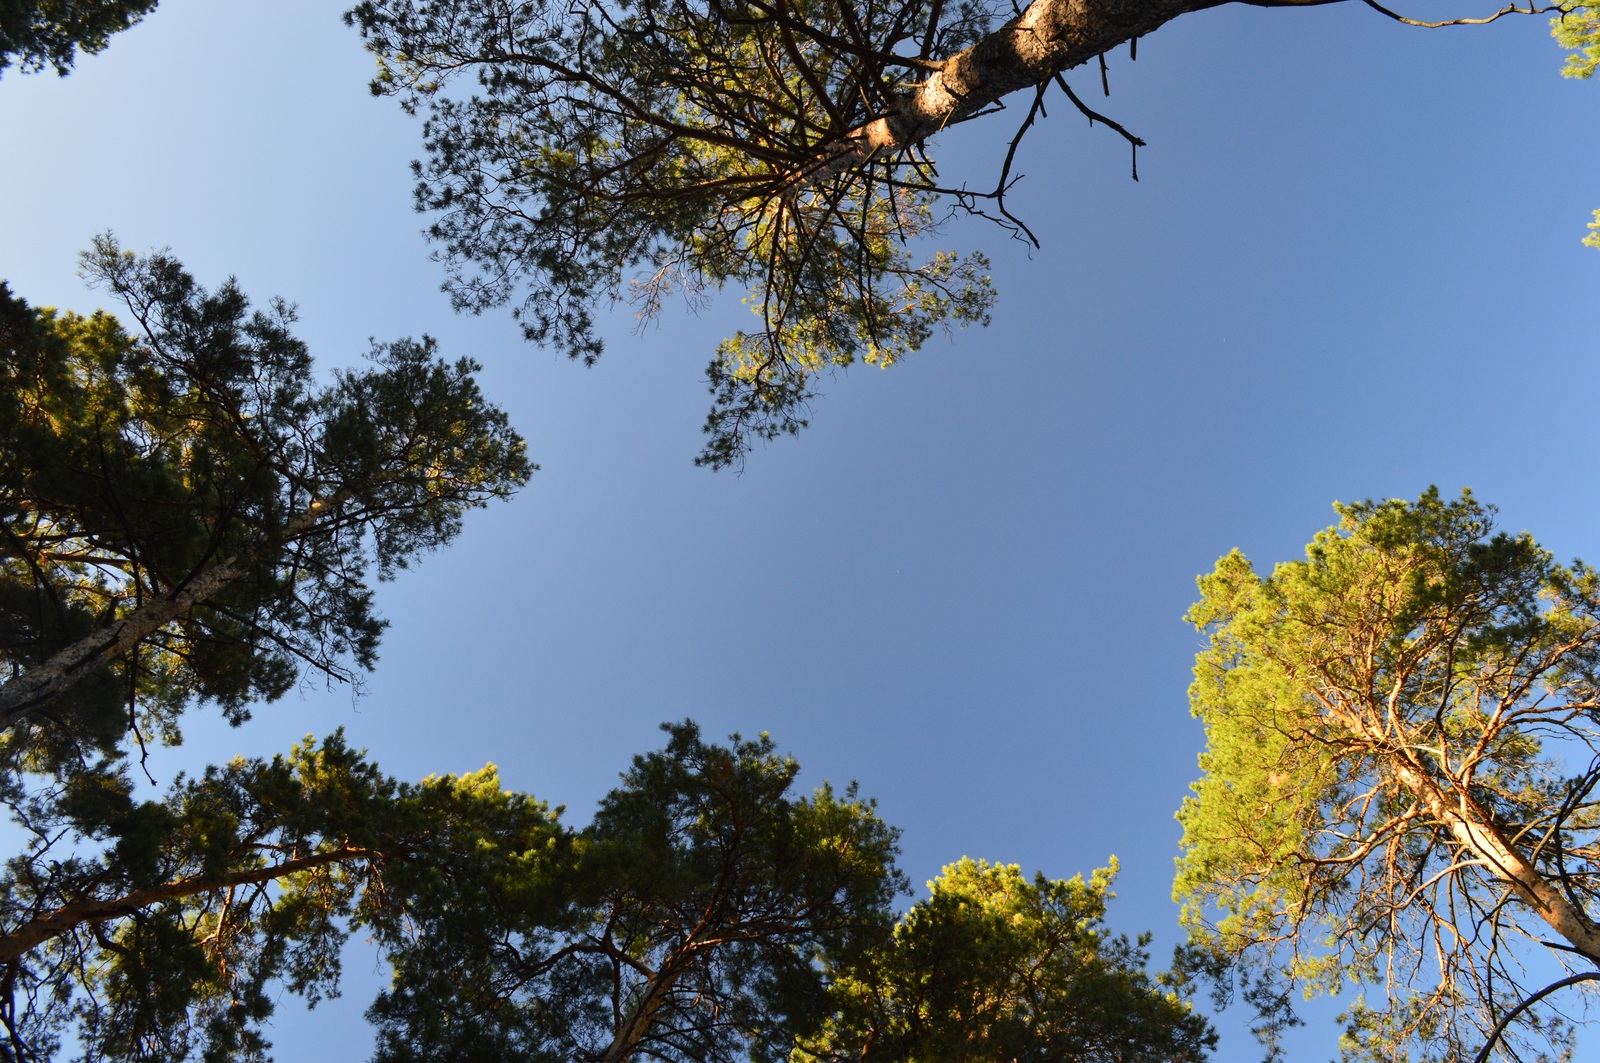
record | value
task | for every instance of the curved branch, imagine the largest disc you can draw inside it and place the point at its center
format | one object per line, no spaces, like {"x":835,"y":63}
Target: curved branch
{"x":1509,"y":9}
{"x":36,"y":932}
{"x":1500,"y":1027}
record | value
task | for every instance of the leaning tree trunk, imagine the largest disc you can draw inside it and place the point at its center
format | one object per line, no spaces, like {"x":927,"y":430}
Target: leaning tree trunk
{"x":1048,"y":37}
{"x":51,"y":678}
{"x":1475,"y":831}
{"x":641,"y":1015}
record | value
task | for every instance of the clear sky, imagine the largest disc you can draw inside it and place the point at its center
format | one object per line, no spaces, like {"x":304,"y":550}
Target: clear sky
{"x":1351,"y":268}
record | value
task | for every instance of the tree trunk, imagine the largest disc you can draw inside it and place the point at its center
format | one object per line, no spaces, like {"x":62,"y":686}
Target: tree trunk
{"x":639,"y":1018}
{"x":51,"y":678}
{"x":1048,"y":37}
{"x":1476,"y":832}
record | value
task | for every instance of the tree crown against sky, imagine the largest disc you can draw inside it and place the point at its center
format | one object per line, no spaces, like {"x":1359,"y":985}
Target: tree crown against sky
{"x":707,"y":913}
{"x":707,"y":903}
{"x":35,"y":34}
{"x":643,"y":151}
{"x":712,"y":914}
{"x":1039,"y":977}
{"x":188,"y":514}
{"x":1400,"y":777}
{"x":167,"y":929}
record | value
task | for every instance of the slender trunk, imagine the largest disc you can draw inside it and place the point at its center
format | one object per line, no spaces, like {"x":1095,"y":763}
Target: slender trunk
{"x":1476,"y":832}
{"x":639,"y":1018}
{"x":51,"y":678}
{"x":37,"y":931}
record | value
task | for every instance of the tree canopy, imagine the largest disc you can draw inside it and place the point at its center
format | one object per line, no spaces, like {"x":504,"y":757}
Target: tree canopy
{"x":992,"y":965}
{"x":713,"y":915}
{"x":1399,"y":787}
{"x":661,"y":148}
{"x":39,"y":33}
{"x":1399,"y":783}
{"x":707,"y":913}
{"x":163,"y":929}
{"x":695,"y":925}
{"x":186,"y":513}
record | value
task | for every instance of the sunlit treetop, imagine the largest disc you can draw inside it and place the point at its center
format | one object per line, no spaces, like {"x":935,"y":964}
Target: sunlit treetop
{"x":994,"y":965}
{"x":1399,"y":788}
{"x":1578,"y":30}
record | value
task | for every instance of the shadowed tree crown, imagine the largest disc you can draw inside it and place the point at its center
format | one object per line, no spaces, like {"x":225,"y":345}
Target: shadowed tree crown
{"x":714,"y":915}
{"x":35,"y":34}
{"x":710,"y":913}
{"x":186,"y":513}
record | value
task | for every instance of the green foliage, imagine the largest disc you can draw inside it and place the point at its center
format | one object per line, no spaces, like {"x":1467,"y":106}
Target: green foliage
{"x":707,"y":914}
{"x":993,"y":966}
{"x":1578,"y":30}
{"x":1387,"y":793}
{"x":187,"y":514}
{"x":690,"y":922}
{"x":201,"y":455}
{"x":39,"y":33}
{"x":157,"y":930}
{"x":646,"y":150}
{"x":590,"y":152}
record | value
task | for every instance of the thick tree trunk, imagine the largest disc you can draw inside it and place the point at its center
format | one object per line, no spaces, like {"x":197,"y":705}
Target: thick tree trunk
{"x":1048,"y":37}
{"x":35,"y":932}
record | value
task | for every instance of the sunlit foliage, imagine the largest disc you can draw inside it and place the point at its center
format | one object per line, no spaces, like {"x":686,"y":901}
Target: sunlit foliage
{"x":1579,"y":31}
{"x":994,"y":966}
{"x":1399,"y":790}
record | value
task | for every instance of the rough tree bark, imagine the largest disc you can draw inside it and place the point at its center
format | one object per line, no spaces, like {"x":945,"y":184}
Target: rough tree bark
{"x":1047,"y":38}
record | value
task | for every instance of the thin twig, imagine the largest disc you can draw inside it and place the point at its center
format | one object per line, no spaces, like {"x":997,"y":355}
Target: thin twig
{"x":1094,"y":116}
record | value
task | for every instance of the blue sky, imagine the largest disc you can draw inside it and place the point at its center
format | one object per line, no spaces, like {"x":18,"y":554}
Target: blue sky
{"x":1351,"y":268}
